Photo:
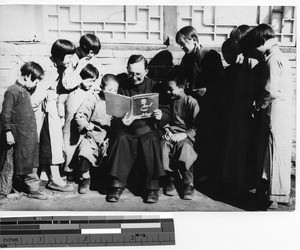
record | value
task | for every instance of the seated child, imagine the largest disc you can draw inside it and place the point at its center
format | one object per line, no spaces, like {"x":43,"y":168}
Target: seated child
{"x":93,"y":121}
{"x":178,"y":141}
{"x":67,"y":105}
{"x":18,"y":133}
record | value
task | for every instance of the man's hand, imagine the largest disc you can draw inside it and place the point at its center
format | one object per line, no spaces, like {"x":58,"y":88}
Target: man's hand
{"x":157,"y":114}
{"x":10,"y":138}
{"x":128,"y":119}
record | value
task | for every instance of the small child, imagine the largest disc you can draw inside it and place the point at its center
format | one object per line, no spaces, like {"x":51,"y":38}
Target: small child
{"x":94,"y":122}
{"x":18,"y":132}
{"x":178,"y":141}
{"x":89,"y":46}
{"x":67,"y":105}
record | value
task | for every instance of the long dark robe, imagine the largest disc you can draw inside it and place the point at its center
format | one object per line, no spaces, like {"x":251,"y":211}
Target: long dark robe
{"x":18,"y":117}
{"x":203,"y":69}
{"x":139,"y":141}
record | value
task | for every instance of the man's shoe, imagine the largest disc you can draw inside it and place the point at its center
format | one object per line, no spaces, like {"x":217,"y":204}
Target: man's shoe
{"x":37,"y":195}
{"x":151,"y":196}
{"x":188,"y":192}
{"x":169,"y":190}
{"x":66,"y":188}
{"x":114,"y":195}
{"x":84,"y":185}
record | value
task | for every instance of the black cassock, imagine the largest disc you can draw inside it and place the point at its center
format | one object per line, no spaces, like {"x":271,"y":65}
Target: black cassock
{"x":138,"y":144}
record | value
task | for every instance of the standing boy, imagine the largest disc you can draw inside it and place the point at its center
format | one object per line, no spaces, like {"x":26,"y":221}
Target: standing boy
{"x":19,"y":139}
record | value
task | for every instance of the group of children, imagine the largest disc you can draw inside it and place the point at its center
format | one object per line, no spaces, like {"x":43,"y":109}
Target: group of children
{"x":54,"y":123}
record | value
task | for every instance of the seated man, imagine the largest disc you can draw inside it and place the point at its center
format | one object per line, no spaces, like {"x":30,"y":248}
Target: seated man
{"x":136,"y":138}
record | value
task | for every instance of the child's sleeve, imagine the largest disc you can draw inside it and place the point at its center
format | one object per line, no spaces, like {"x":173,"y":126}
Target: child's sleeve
{"x":271,"y":78}
{"x":84,"y":113}
{"x":61,"y":102}
{"x":194,"y":111}
{"x":71,"y":76}
{"x":7,"y":110}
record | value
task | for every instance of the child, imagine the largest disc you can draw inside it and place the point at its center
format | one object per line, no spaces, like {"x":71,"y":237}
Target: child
{"x":203,"y":69}
{"x":136,"y":139}
{"x":178,"y":141}
{"x":18,"y":132}
{"x":94,"y":122}
{"x":235,"y":162}
{"x":89,"y":47}
{"x":51,"y":138}
{"x":274,"y":110}
{"x":68,"y":105}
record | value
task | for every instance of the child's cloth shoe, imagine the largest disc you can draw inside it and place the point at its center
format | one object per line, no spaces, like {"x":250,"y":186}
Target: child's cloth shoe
{"x":37,"y":195}
{"x":188,"y":192}
{"x":169,"y":190}
{"x":84,"y":185}
{"x":66,"y":188}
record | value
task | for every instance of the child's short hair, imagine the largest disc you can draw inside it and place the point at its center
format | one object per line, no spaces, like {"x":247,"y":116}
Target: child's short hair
{"x":257,"y":37}
{"x":106,"y":79}
{"x":89,"y":71}
{"x":137,"y":58}
{"x":61,"y":48}
{"x":90,"y":42}
{"x":228,"y":52}
{"x":187,"y":32}
{"x":33,"y":69}
{"x":177,"y":75}
{"x":239,"y":32}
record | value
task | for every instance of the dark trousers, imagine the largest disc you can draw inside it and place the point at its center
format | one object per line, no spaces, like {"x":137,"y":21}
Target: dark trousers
{"x":26,"y":182}
{"x":143,"y":151}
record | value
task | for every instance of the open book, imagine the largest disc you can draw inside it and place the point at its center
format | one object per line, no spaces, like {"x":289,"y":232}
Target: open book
{"x":140,"y":106}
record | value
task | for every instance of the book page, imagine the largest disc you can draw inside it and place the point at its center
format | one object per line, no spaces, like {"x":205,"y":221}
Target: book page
{"x":117,"y":105}
{"x":143,"y":105}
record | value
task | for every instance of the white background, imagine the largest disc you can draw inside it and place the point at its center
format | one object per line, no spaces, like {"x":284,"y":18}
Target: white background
{"x":210,"y":230}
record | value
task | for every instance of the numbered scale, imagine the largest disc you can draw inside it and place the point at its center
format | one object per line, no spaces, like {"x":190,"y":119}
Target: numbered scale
{"x":84,"y":231}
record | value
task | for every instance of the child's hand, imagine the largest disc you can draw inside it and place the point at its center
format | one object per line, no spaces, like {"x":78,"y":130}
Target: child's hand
{"x":89,"y":127}
{"x":82,"y":63}
{"x":168,"y":135}
{"x":10,"y":138}
{"x":178,"y":137}
{"x":201,"y":91}
{"x":127,"y":119}
{"x":157,"y":114}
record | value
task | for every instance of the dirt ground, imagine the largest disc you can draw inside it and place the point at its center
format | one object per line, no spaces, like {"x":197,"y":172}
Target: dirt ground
{"x":206,"y":199}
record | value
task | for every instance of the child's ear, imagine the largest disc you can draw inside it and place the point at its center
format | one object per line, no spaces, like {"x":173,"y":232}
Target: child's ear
{"x":26,"y":78}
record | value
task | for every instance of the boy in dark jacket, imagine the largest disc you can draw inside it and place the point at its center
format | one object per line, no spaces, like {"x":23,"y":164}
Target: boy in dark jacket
{"x":18,"y":131}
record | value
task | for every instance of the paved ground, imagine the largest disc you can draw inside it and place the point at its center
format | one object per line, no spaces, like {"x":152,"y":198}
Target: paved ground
{"x":205,"y":199}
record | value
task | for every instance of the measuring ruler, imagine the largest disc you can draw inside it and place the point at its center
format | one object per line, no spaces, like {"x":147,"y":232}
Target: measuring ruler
{"x":84,"y":231}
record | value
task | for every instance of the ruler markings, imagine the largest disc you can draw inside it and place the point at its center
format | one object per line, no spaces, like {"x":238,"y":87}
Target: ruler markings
{"x":86,"y":231}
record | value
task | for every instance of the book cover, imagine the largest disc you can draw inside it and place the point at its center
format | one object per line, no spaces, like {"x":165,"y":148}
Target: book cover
{"x":140,"y":106}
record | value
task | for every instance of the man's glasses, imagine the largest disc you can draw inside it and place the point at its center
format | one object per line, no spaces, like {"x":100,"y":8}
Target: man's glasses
{"x":139,"y":75}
